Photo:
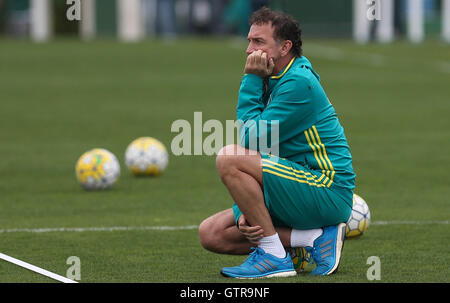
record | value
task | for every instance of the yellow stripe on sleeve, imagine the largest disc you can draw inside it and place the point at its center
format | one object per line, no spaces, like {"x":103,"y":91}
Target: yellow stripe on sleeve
{"x":290,"y":173}
{"x":314,"y":149}
{"x":324,"y":151}
{"x":292,"y":178}
{"x":293,"y":172}
{"x":287,"y":167}
{"x":320,"y":152}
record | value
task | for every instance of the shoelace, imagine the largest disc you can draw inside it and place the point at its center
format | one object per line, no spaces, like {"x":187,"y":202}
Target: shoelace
{"x":256,"y":252}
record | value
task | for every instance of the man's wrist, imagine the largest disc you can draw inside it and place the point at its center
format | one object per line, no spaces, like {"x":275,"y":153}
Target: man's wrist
{"x":253,"y":78}
{"x":252,"y":84}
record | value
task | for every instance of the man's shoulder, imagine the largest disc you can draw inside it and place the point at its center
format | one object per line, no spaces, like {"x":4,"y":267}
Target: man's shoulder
{"x":298,"y":78}
{"x":300,"y":72}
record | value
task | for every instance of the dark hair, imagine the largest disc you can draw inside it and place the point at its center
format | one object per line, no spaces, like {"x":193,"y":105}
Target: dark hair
{"x":285,"y":27}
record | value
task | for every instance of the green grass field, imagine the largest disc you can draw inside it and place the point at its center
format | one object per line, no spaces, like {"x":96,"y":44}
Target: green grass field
{"x":60,"y":99}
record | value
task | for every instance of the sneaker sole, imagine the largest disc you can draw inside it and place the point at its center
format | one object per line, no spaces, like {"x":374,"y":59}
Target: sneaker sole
{"x":281,"y":274}
{"x":339,"y":248}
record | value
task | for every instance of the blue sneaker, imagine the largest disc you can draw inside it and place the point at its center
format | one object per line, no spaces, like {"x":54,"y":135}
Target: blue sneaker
{"x":327,"y":249}
{"x":261,"y":265}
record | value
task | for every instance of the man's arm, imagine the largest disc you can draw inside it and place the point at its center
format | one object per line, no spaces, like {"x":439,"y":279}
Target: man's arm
{"x":290,"y":108}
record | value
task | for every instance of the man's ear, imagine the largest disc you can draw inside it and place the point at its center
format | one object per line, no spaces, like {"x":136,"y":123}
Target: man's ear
{"x":286,"y":47}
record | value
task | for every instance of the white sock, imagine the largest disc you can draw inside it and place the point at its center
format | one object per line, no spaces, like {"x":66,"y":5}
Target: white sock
{"x":303,"y":238}
{"x":272,"y":245}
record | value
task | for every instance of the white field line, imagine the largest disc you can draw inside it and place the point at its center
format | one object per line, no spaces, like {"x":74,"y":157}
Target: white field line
{"x":86,"y":229}
{"x":409,"y":222}
{"x":372,"y":59}
{"x":170,"y":228}
{"x":132,"y":228}
{"x":337,"y":54}
{"x":36,"y":269}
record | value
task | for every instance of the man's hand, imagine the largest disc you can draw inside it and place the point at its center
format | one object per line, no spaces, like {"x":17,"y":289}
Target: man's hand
{"x":258,"y":64}
{"x":252,"y":233}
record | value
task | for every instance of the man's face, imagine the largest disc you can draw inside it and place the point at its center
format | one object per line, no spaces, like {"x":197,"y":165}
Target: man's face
{"x":260,"y":37}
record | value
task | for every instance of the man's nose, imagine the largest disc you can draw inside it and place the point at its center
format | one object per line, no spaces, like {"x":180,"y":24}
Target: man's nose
{"x":250,"y":49}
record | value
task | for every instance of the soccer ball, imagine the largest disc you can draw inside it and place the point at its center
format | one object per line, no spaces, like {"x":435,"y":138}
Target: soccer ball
{"x":146,"y":156}
{"x":300,"y":258}
{"x":97,"y":169}
{"x":359,"y":219}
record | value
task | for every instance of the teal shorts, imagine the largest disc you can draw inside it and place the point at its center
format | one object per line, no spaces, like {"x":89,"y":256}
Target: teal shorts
{"x":299,"y":197}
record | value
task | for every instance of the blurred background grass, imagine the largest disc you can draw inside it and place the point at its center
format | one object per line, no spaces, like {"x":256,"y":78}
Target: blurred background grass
{"x":59,"y":99}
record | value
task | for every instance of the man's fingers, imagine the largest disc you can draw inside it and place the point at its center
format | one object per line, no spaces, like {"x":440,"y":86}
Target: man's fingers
{"x":247,"y":229}
{"x":257,"y":57}
{"x":259,"y":63}
{"x":255,"y":54}
{"x":270,"y":66}
{"x":264,"y":58}
{"x":241,"y":220}
{"x":253,"y":237}
{"x":252,"y":233}
{"x":251,"y":229}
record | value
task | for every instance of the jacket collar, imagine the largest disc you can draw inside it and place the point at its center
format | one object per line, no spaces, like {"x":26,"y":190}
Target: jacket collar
{"x":282,"y":72}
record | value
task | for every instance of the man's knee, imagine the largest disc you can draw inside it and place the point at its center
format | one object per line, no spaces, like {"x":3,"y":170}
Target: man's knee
{"x":212,"y":236}
{"x":209,"y":235}
{"x":226,"y":162}
{"x":233,"y":159}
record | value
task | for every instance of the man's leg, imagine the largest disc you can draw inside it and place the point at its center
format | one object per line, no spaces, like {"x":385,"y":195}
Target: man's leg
{"x":303,"y":199}
{"x":284,"y":189}
{"x":242,"y":175}
{"x":241,"y":172}
{"x":219,"y":234}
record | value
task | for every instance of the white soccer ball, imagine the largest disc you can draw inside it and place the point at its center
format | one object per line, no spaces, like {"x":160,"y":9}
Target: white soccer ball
{"x":359,"y":220}
{"x":97,"y":169}
{"x":146,"y":156}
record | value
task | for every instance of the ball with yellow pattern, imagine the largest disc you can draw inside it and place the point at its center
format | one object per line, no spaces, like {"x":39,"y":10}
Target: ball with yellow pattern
{"x":300,"y":258}
{"x":146,"y":156}
{"x":359,"y":219}
{"x":97,"y":169}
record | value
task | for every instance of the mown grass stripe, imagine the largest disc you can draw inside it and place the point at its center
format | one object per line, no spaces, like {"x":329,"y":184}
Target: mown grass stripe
{"x":186,"y":227}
